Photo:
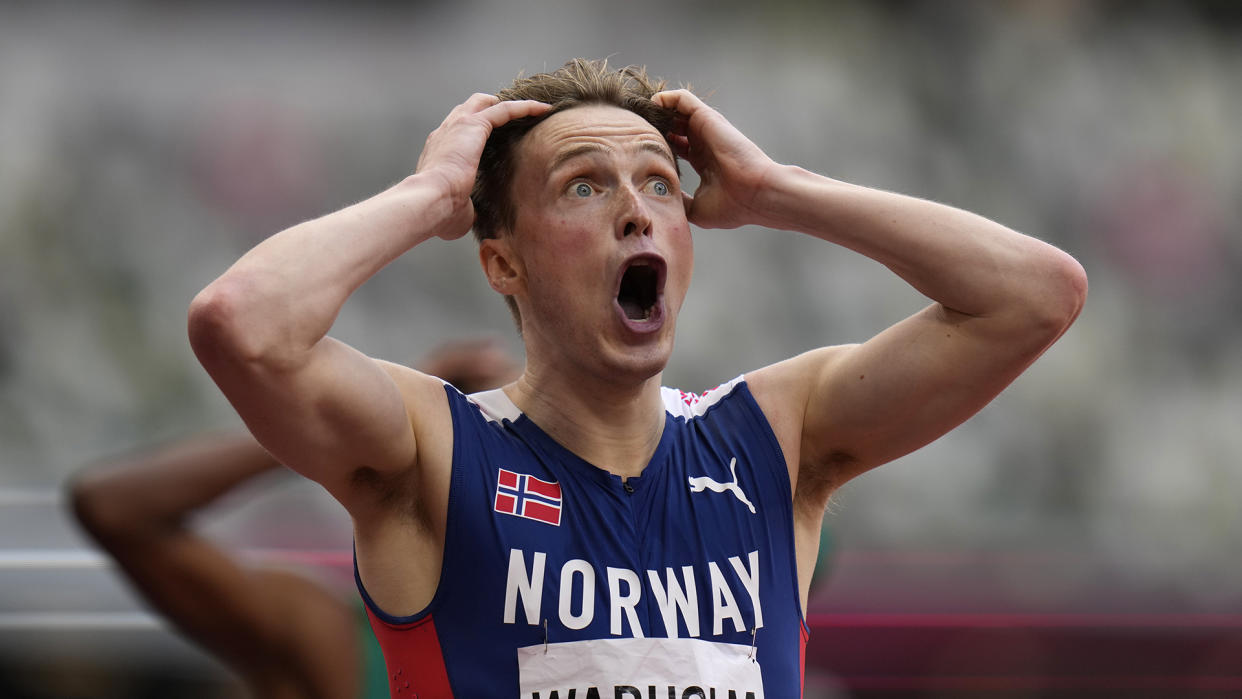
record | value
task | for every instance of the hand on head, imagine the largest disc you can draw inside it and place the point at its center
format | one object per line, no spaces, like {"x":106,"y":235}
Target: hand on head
{"x":731,"y":168}
{"x":452,"y":151}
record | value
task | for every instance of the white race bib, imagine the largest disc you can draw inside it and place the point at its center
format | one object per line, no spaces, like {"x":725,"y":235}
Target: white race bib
{"x":639,"y":668}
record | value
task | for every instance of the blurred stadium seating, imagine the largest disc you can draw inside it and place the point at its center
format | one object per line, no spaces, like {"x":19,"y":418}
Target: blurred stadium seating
{"x":1077,"y":538}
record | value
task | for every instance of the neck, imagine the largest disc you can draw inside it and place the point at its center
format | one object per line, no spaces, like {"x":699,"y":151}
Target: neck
{"x":615,"y":426}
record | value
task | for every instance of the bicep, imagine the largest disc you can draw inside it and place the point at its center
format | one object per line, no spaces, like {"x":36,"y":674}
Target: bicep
{"x":902,"y":389}
{"x":326,"y":416}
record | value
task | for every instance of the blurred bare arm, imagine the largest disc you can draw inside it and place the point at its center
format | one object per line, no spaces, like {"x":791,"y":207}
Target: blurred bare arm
{"x":275,"y":628}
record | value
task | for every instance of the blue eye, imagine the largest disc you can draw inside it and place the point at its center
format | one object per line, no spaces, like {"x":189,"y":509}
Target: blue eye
{"x":660,"y":188}
{"x":583,"y":189}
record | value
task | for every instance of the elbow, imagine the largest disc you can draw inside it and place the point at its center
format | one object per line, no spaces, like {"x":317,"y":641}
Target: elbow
{"x":1060,"y":296}
{"x":212,"y":318}
{"x":217,"y":325}
{"x":1071,"y":283}
{"x":95,"y":506}
{"x":80,"y":494}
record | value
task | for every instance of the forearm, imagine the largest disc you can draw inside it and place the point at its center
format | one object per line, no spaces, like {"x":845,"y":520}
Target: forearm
{"x":282,"y":296}
{"x":961,"y":260}
{"x":156,"y":489}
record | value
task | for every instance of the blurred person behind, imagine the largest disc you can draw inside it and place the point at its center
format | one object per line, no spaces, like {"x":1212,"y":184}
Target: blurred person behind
{"x":285,"y":633}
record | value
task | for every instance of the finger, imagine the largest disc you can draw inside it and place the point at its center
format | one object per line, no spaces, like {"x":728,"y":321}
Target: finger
{"x":682,"y":149}
{"x":477,"y":102}
{"x":508,"y":110}
{"x":681,"y":101}
{"x":687,"y":202}
{"x":680,"y":126}
{"x":680,"y":145}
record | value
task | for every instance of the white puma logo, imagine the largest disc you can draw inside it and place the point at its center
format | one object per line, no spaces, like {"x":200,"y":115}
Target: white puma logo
{"x":700,"y":483}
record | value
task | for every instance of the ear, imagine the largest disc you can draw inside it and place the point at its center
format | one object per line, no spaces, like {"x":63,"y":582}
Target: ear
{"x":501,"y":265}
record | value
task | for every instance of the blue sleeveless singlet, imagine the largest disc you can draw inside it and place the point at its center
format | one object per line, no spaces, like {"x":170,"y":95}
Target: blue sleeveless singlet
{"x":561,"y":581}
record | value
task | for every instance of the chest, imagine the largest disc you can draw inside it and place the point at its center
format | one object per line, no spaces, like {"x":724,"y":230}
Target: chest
{"x":682,"y":551}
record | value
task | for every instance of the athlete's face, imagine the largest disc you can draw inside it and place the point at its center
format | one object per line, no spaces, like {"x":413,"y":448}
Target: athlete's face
{"x":601,"y":245}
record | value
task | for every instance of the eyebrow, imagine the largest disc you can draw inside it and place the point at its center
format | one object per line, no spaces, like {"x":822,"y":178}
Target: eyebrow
{"x":589,"y":148}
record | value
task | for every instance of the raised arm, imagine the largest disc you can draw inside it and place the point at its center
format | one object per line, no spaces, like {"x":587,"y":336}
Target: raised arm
{"x":260,"y":330}
{"x":1000,"y":299}
{"x":282,"y":633}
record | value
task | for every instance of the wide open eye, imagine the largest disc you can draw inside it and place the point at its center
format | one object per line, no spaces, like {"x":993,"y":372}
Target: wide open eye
{"x":584,"y":190}
{"x":660,"y":187}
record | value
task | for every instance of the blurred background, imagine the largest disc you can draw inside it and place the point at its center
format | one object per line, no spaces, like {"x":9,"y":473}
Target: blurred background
{"x":1081,"y":534}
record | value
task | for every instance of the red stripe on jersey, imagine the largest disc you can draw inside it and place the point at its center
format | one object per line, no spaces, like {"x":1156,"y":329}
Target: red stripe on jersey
{"x":803,"y":637}
{"x":413,"y":656}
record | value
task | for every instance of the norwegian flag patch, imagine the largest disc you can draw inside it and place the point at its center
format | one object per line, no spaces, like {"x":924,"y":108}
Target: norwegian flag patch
{"x":522,"y":495}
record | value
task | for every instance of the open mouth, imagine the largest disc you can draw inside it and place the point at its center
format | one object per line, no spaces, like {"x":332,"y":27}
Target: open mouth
{"x":639,"y":292}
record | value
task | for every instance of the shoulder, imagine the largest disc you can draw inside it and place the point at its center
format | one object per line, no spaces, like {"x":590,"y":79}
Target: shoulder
{"x":411,"y":382}
{"x":783,"y":389}
{"x":425,"y":396}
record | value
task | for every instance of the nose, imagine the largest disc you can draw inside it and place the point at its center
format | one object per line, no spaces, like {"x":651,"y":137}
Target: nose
{"x":633,"y":217}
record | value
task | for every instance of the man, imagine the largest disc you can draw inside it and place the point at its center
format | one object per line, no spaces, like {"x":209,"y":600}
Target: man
{"x":284,"y":633}
{"x":582,"y":530}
